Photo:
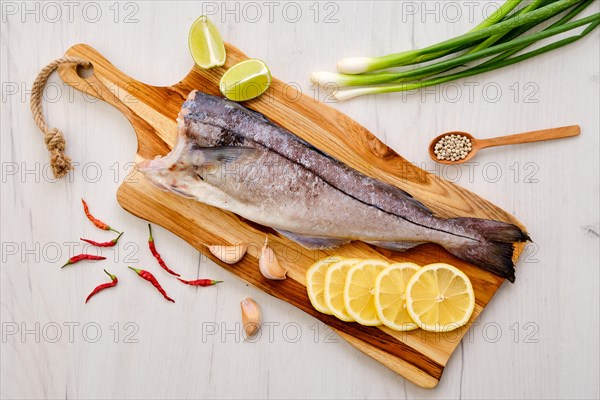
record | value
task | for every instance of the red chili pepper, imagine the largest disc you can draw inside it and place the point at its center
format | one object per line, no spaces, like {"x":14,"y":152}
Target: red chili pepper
{"x":95,"y":220}
{"x":80,"y":257}
{"x":200,"y":282}
{"x":157,"y":256}
{"x":150,"y":278}
{"x":103,"y":244}
{"x":100,"y":288}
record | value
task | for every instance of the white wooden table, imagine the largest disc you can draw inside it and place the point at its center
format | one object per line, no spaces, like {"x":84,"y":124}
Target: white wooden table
{"x":537,"y":339}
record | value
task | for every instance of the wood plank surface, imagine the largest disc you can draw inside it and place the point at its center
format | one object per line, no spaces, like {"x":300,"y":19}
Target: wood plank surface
{"x":417,"y":355}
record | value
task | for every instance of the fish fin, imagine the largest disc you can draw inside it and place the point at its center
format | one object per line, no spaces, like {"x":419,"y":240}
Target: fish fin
{"x":314,"y":242}
{"x":495,"y":257}
{"x":495,"y":231}
{"x":180,"y":192}
{"x":495,"y":252}
{"x":396,"y":246}
{"x":230,"y":154}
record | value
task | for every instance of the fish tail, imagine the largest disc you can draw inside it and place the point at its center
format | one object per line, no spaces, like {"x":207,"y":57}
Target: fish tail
{"x":494,"y":249}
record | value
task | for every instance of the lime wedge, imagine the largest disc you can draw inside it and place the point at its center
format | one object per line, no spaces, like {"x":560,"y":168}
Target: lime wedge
{"x":245,"y":80}
{"x":206,"y":44}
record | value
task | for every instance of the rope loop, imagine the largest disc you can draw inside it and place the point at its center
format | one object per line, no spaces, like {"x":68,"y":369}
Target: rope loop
{"x":54,"y":138}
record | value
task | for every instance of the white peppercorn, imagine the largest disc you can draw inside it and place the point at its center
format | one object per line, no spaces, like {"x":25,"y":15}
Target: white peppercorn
{"x":453,"y":147}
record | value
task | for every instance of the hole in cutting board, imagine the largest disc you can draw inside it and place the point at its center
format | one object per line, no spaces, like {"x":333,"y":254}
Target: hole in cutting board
{"x":85,"y":72}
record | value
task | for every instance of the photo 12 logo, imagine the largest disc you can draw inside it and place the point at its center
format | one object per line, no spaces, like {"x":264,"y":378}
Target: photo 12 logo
{"x":30,"y":172}
{"x":270,"y":331}
{"x":447,"y":11}
{"x":68,"y":332}
{"x":53,"y":12}
{"x":58,"y":253}
{"x":65,"y":91}
{"x":271,"y":11}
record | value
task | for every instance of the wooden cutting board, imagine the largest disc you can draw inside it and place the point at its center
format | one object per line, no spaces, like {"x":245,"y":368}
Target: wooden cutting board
{"x":417,"y":355}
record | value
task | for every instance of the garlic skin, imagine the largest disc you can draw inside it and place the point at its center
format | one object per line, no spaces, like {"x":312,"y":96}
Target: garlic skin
{"x":228,"y":254}
{"x":269,"y":265}
{"x":251,"y":316}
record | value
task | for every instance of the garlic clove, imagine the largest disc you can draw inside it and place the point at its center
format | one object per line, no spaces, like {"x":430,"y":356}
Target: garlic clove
{"x":228,"y":254}
{"x":251,"y":316}
{"x":269,"y":264}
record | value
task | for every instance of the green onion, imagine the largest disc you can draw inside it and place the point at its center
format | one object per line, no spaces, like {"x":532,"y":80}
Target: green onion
{"x":593,"y":21}
{"x":498,"y":38}
{"x":493,"y":39}
{"x":569,"y":16}
{"x":495,"y":17}
{"x":521,"y":42}
{"x":358,"y":65}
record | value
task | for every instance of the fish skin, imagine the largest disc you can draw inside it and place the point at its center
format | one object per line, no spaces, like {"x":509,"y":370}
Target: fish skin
{"x":231,"y":157}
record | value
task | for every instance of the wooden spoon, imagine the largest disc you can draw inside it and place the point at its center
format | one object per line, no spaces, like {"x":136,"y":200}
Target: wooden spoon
{"x":478,"y":144}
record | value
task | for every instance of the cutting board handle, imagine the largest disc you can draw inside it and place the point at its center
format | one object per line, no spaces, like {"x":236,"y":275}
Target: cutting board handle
{"x":106,"y":82}
{"x":91,"y":81}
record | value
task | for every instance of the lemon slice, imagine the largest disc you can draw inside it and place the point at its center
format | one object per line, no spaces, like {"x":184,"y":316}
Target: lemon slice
{"x":359,"y":291}
{"x":390,"y":296}
{"x":315,"y":283}
{"x":440,"y":298}
{"x":335,"y":279}
{"x":245,"y":80}
{"x":206,"y":44}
